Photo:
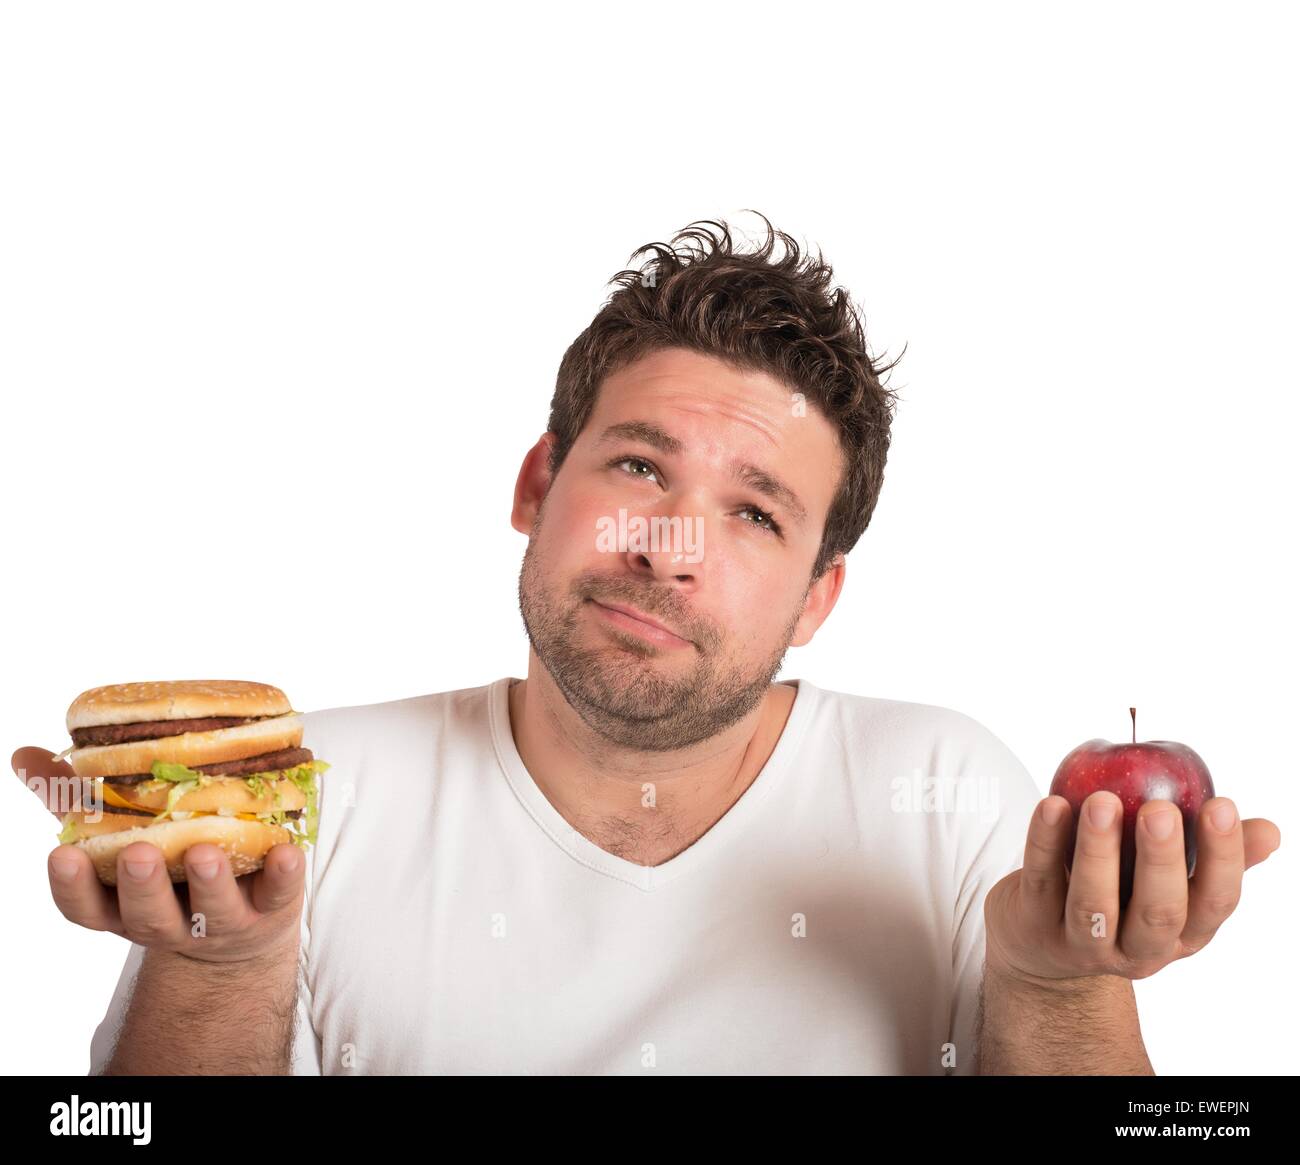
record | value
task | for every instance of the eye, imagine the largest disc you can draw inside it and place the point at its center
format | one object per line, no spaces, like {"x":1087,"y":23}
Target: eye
{"x":630,"y":461}
{"x":764,"y":516}
{"x":765,"y":520}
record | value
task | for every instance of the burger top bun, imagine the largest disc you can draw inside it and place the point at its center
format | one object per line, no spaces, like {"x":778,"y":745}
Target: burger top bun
{"x":175,"y":700}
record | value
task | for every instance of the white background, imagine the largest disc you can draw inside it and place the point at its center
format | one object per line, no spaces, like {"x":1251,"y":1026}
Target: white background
{"x":283,"y":292}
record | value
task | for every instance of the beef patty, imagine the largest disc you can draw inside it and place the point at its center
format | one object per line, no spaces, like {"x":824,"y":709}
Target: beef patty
{"x":285,"y":758}
{"x":151,"y":729}
{"x":116,"y":810}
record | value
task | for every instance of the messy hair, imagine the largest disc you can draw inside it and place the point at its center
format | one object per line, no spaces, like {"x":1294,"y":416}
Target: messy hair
{"x":757,"y":313}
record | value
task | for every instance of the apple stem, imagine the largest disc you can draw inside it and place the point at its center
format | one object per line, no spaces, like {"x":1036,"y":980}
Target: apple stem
{"x":1134,"y":713}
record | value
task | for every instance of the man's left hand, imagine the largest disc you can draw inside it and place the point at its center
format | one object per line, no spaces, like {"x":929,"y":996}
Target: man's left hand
{"x":1044,"y":925}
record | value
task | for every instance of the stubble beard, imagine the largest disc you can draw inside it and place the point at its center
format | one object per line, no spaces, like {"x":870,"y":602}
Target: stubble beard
{"x":622,"y":689}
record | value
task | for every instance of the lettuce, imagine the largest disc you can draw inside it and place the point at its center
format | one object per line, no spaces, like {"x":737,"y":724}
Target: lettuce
{"x":68,"y":834}
{"x":162,"y":771}
{"x":178,"y":774}
{"x":304,"y":776}
{"x":174,"y":794}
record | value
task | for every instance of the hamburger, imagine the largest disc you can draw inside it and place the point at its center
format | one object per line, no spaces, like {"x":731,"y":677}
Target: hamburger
{"x":178,"y":762}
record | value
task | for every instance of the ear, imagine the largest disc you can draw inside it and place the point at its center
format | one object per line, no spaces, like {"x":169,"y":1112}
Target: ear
{"x":821,"y":600}
{"x":533,"y":484}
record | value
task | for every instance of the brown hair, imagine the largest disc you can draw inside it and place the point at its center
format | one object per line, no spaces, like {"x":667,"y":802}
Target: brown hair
{"x":777,"y":317}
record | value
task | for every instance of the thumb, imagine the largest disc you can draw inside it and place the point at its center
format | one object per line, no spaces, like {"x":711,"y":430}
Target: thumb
{"x":1261,"y":838}
{"x":279,"y":883}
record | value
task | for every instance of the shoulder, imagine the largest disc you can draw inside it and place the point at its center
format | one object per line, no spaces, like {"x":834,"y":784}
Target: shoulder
{"x":889,"y":724}
{"x":339,"y":727}
{"x":903,"y":740}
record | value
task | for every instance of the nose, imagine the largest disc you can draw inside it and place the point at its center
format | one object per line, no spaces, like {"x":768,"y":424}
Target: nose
{"x":670,"y":548}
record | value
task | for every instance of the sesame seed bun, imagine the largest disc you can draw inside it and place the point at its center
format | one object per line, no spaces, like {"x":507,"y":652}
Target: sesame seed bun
{"x":245,"y":843}
{"x":174,"y":700}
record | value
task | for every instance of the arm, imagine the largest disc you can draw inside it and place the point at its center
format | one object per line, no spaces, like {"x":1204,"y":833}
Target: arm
{"x":1086,"y":1026}
{"x":192,"y":1018}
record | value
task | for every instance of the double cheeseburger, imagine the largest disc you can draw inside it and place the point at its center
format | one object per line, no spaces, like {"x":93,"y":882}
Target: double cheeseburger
{"x":179,"y":762}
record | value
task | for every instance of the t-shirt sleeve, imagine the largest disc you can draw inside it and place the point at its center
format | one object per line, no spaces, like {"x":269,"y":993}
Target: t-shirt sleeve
{"x":305,"y":1047}
{"x":105,"y":1037}
{"x":993,"y":849}
{"x":304,"y":1052}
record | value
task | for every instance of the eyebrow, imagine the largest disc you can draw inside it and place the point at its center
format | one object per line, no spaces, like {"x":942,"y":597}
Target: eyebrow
{"x":744,"y":472}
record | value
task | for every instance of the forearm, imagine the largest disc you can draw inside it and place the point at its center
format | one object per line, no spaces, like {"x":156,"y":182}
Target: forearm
{"x":191,"y":1018}
{"x":1069,"y":1027}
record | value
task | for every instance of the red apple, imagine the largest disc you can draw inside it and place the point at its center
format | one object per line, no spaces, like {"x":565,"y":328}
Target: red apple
{"x":1155,"y":770}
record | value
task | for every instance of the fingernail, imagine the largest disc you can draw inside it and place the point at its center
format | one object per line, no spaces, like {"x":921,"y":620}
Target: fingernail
{"x":205,"y":870}
{"x":1102,"y":812}
{"x":1224,"y":816}
{"x":288,"y":864}
{"x":1161,"y":825}
{"x":139,"y":870}
{"x":64,"y":871}
{"x":1051,"y":811}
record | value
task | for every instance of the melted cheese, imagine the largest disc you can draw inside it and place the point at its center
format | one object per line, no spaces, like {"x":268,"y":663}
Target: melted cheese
{"x":110,"y":824}
{"x":112,"y":797}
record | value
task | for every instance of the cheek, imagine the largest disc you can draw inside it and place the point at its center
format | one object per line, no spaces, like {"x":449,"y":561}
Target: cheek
{"x":753,"y":614}
{"x":568,"y":535}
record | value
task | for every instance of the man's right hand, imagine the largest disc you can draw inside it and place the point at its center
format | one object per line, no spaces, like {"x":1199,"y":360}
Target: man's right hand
{"x":254,"y":918}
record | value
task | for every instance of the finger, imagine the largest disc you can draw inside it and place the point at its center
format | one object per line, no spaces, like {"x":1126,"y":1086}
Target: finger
{"x":146,"y":898}
{"x":1092,"y":901}
{"x":216,"y":905}
{"x":53,"y":781}
{"x":279,"y":883}
{"x":1220,"y":864}
{"x":78,"y":893}
{"x":1262,"y":837}
{"x":1157,"y":912}
{"x":1042,"y":880}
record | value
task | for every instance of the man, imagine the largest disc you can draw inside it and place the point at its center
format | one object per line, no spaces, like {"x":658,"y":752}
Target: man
{"x":648,"y":857}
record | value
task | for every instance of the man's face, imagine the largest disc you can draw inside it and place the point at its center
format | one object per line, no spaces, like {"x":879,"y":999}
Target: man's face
{"x":667,"y":440}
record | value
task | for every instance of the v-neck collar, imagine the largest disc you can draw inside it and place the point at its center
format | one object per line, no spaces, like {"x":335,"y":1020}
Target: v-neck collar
{"x":587,"y":853}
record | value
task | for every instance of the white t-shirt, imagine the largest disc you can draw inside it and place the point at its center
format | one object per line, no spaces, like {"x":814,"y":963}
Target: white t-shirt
{"x":831,"y":922}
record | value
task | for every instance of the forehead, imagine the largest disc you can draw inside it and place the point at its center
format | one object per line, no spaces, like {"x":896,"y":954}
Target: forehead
{"x":714,"y":409}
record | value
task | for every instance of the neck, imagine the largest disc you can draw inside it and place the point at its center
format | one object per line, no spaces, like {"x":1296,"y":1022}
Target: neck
{"x":643,"y":806}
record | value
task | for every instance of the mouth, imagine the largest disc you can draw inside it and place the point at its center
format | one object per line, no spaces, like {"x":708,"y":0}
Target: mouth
{"x":630,"y":619}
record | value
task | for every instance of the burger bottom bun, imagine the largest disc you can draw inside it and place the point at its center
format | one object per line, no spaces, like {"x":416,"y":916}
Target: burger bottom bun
{"x":245,"y":844}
